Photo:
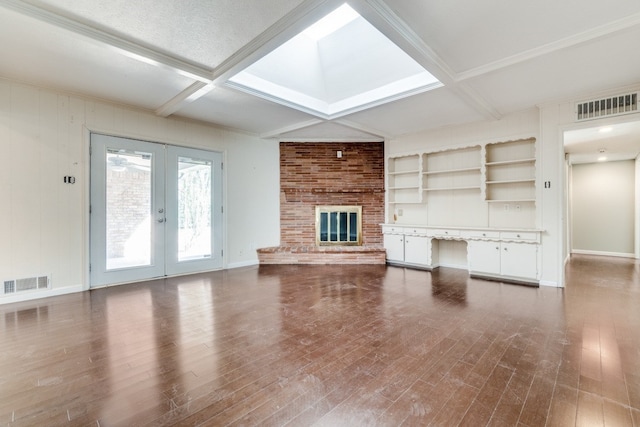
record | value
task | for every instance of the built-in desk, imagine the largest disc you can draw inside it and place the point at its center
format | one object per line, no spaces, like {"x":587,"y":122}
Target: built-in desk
{"x":504,"y":254}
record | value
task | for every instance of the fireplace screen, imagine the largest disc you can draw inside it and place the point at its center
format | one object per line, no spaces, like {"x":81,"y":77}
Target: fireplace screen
{"x":338,"y":225}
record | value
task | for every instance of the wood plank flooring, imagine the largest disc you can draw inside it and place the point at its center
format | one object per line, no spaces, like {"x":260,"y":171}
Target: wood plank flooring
{"x":329,"y":346}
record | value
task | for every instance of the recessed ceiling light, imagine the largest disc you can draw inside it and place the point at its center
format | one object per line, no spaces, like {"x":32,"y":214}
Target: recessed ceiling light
{"x":602,"y":158}
{"x":605,"y":129}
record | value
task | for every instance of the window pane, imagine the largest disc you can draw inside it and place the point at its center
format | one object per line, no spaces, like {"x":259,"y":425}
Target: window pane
{"x":324,"y":233}
{"x":333,"y":226}
{"x":128,"y":203}
{"x":194,"y":209}
{"x":353,"y":227}
{"x":343,"y":226}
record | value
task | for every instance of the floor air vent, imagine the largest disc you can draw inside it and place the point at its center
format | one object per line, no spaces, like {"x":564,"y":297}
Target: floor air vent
{"x":28,"y":284}
{"x":605,"y":107}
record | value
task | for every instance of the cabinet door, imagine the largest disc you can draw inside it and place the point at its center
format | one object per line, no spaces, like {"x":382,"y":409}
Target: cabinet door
{"x":483,"y":257}
{"x":519,"y":260}
{"x":394,"y":244}
{"x":417,"y":250}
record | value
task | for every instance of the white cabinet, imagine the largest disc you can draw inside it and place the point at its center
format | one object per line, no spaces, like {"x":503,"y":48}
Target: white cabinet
{"x":394,"y":245}
{"x":417,"y":250}
{"x":414,"y":249}
{"x":519,"y":260}
{"x":483,"y":256}
{"x":505,"y":259}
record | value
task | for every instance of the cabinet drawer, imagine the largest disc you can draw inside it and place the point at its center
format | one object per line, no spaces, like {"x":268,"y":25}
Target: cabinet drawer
{"x":444,"y":232}
{"x":415,"y":231}
{"x":482,"y":234}
{"x":388,"y":229}
{"x":519,"y":235}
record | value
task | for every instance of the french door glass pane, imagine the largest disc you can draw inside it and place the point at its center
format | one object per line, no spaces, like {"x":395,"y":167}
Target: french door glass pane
{"x":128,"y":208}
{"x":194,"y":208}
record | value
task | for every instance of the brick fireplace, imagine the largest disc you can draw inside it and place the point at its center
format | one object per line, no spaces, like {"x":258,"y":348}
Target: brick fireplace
{"x":333,"y":174}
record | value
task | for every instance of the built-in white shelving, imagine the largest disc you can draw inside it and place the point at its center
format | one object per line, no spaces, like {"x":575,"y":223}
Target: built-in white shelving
{"x":510,"y":171}
{"x":452,"y":170}
{"x":403,"y":180}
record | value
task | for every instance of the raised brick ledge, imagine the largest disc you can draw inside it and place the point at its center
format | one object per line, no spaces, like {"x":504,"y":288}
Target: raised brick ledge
{"x":320,"y":249}
{"x":322,"y":255}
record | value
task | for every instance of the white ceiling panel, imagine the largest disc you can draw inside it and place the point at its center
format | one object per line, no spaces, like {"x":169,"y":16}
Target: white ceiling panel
{"x":430,"y":110}
{"x":237,"y":110}
{"x":327,"y":131}
{"x":468,"y":34}
{"x":565,"y":74}
{"x":204,"y":32}
{"x":36,"y":52}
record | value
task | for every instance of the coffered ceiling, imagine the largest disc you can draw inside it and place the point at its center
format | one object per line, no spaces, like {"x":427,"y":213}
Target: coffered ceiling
{"x":176,"y":57}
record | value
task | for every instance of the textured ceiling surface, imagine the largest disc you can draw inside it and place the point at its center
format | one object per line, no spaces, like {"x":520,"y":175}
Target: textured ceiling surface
{"x":175,"y":58}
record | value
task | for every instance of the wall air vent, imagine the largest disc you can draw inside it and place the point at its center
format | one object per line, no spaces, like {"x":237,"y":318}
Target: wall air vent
{"x":606,"y":107}
{"x":27,"y":284}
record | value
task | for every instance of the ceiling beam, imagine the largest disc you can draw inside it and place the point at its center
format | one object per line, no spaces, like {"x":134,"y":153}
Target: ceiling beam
{"x":122,"y":45}
{"x":380,"y":15}
{"x":190,"y":94}
{"x":291,"y":128}
{"x":362,"y":128}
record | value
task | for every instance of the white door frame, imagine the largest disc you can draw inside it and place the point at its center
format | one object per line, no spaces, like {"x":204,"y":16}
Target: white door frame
{"x":163,"y":215}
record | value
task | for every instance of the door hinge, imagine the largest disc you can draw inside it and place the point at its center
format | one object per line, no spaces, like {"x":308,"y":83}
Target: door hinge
{"x":221,"y":209}
{"x":221,"y":252}
{"x":221,"y":165}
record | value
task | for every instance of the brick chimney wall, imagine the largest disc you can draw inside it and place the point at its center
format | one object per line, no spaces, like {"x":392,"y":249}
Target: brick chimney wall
{"x":311,"y":174}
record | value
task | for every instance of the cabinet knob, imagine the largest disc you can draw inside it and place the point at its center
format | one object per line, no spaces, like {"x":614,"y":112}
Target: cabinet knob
{"x":518,"y":236}
{"x":505,"y":249}
{"x":498,"y":248}
{"x":484,"y":234}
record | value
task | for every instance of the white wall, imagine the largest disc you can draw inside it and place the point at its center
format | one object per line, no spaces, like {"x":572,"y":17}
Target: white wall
{"x":603,"y":207}
{"x":555,"y":119}
{"x":44,"y":222}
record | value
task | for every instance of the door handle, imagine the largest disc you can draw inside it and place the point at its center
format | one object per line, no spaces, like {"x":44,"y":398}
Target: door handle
{"x":161,"y":220}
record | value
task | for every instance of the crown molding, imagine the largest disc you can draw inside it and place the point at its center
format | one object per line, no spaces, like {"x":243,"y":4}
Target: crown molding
{"x":583,"y":37}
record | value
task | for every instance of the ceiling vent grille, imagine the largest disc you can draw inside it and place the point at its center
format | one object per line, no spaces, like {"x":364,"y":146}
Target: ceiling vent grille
{"x":27,"y":284}
{"x":606,"y":107}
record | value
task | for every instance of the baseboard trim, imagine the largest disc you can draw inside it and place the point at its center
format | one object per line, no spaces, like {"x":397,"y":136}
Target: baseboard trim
{"x":602,"y":253}
{"x":550,"y":284}
{"x":241,"y":264}
{"x":29,"y":296}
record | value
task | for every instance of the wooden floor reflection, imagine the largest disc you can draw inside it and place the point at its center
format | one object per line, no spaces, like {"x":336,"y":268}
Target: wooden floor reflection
{"x":329,"y":346}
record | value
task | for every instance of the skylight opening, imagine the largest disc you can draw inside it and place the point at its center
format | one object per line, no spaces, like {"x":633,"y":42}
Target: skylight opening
{"x":313,"y":71}
{"x":331,"y":23}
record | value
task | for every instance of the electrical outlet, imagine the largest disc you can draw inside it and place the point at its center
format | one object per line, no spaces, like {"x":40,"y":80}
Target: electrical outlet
{"x":506,"y":207}
{"x":400,"y":212}
{"x":517,"y":208}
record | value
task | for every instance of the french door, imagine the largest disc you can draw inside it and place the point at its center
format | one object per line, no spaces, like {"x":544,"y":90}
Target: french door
{"x":155,"y":210}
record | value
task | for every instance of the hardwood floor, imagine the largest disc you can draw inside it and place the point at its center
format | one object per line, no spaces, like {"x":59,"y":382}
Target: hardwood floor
{"x":329,"y":346}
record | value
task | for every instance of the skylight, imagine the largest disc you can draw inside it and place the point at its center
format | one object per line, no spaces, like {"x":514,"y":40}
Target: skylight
{"x":339,"y":65}
{"x":331,"y":23}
